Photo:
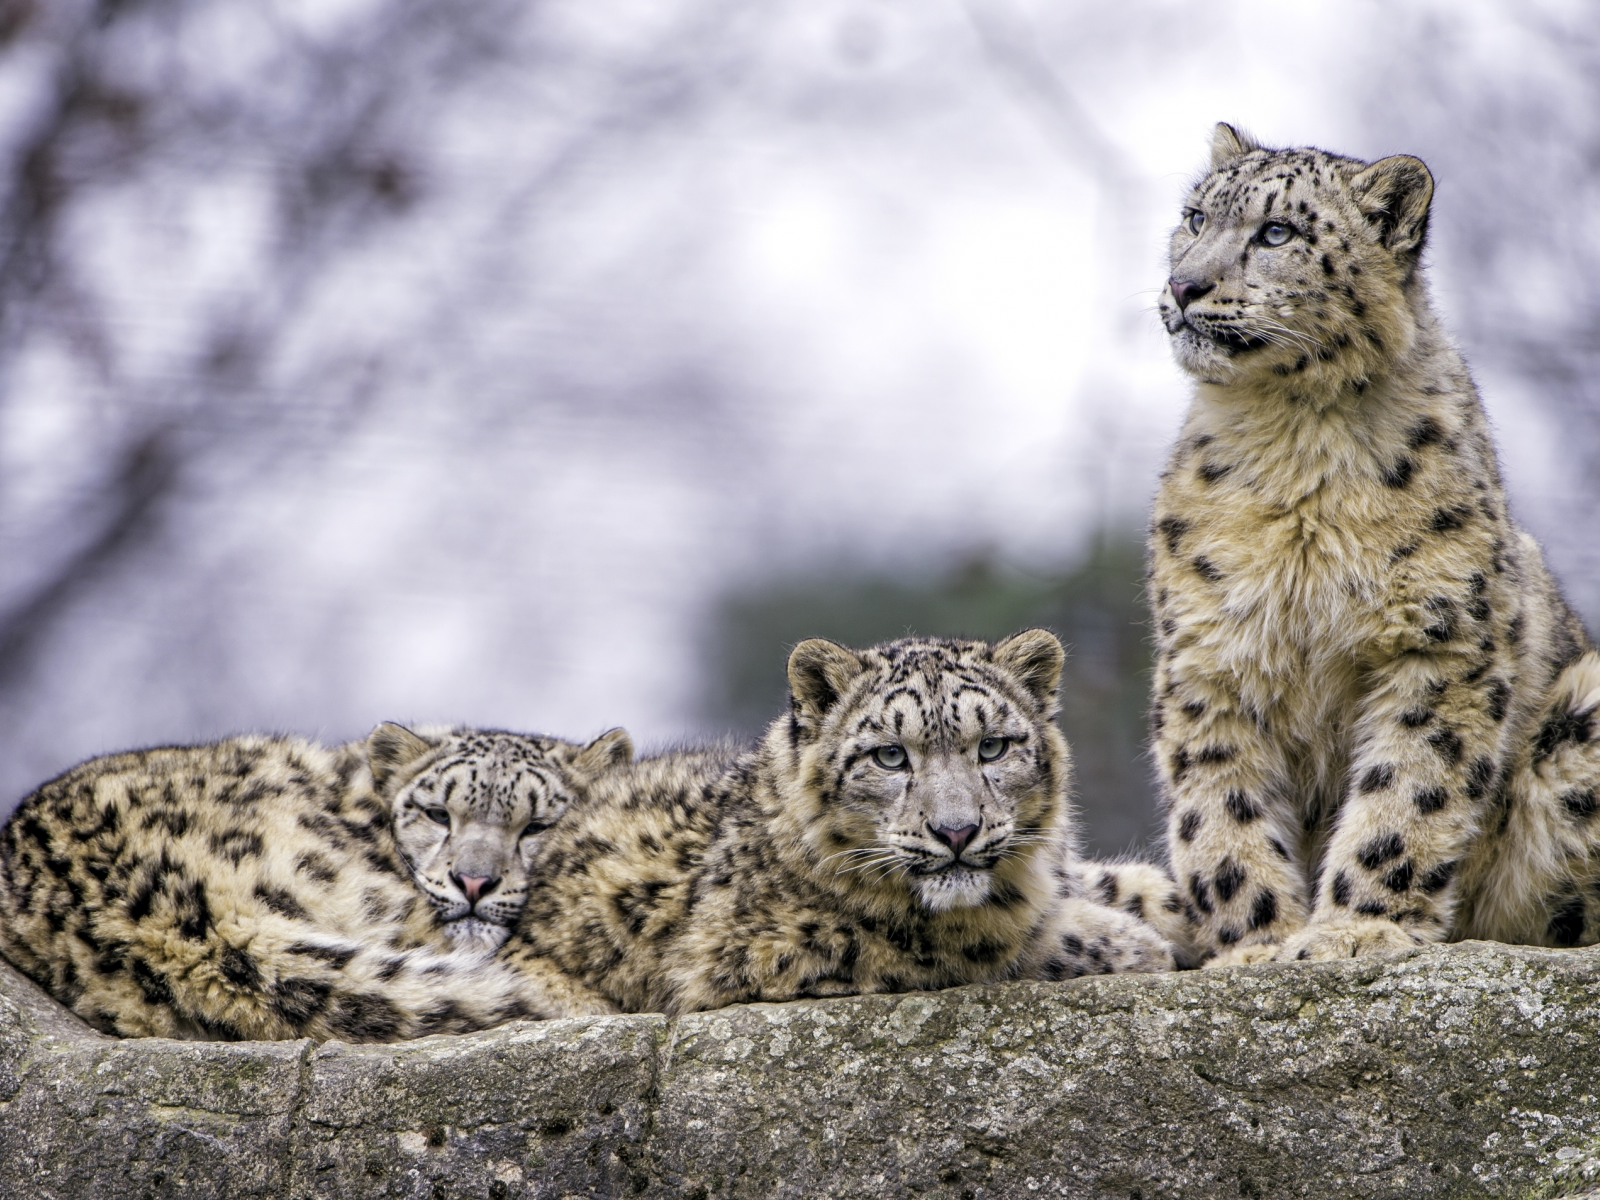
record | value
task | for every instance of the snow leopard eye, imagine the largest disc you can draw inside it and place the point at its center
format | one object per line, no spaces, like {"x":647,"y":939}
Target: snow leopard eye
{"x":439,"y":816}
{"x":533,"y":827}
{"x":992,"y":748}
{"x":1194,"y":220}
{"x":890,"y":757}
{"x":1275,"y":233}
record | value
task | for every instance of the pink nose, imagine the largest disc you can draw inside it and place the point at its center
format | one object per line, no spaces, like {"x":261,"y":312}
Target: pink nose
{"x":471,"y":885}
{"x":956,"y":839}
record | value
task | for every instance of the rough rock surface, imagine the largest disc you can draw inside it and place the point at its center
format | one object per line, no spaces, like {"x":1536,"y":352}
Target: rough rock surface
{"x":1469,"y":1070}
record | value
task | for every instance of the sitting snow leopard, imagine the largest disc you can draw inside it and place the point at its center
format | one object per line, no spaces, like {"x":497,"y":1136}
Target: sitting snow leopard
{"x":1374,"y":712}
{"x":900,"y":828}
{"x":267,"y":887}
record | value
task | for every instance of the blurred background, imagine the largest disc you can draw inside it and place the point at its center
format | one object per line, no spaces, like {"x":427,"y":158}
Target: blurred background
{"x":558,"y":364}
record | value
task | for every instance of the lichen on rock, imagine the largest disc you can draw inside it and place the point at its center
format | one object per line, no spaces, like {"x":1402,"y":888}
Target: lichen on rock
{"x":1453,"y":1071}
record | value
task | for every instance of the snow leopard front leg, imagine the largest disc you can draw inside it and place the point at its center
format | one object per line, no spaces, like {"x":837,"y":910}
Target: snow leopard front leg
{"x":1231,"y":827}
{"x":1425,"y":773}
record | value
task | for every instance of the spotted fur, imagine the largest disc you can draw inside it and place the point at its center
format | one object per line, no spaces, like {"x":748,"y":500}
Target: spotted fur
{"x":898,"y":829}
{"x":1372,"y":706}
{"x":468,"y":806}
{"x":255,"y":888}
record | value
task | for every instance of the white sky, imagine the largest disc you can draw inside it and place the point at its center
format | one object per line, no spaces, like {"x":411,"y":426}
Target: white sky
{"x":922,"y":322}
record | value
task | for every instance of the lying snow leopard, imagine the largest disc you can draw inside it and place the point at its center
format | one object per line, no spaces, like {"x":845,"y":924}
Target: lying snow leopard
{"x":900,"y":828}
{"x":267,"y":887}
{"x":1374,"y":712}
{"x":467,"y":807}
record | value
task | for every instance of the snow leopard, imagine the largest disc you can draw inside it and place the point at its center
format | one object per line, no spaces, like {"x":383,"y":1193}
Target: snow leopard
{"x":1373,"y":712}
{"x":268,"y":887}
{"x":905,"y":825}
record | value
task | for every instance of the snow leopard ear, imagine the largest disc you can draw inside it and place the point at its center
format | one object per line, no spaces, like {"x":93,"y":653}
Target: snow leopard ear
{"x":391,"y":749}
{"x":1395,"y":194}
{"x":1228,"y":143}
{"x":612,"y":749}
{"x":1034,"y":656}
{"x":819,"y":673}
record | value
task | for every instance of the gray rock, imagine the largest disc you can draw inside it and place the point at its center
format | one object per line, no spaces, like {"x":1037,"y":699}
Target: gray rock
{"x":1469,"y":1070}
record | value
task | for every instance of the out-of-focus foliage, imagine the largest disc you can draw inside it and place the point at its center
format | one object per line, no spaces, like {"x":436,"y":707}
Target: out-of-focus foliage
{"x":455,"y":359}
{"x":1507,"y":113}
{"x":1097,"y":608}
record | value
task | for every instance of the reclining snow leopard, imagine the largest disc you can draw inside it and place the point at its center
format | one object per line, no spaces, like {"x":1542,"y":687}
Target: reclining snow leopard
{"x":904,"y":826}
{"x":267,"y":887}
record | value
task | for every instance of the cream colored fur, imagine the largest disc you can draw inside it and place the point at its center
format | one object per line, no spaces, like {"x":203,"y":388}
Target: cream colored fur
{"x":253,"y":888}
{"x":1373,"y":707}
{"x":904,"y":826}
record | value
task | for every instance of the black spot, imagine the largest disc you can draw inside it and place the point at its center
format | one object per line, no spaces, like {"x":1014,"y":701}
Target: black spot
{"x":1054,"y":969}
{"x":1425,"y":433}
{"x":365,"y":1017}
{"x":1229,"y":879}
{"x":1241,"y":807}
{"x":1201,"y":894}
{"x":316,"y":867}
{"x":985,"y":950}
{"x":1227,"y":935}
{"x":1180,"y":764}
{"x":1173,"y":529}
{"x":1376,"y":778}
{"x":1107,"y":887}
{"x":1264,"y":911}
{"x":1563,"y":726}
{"x":1436,"y":879}
{"x":1448,"y":744}
{"x":174,"y":821}
{"x":1430,"y":799}
{"x":153,"y":984}
{"x":238,"y":967}
{"x":297,"y":1000}
{"x":191,"y":910}
{"x":1399,"y":473}
{"x":1211,"y":472}
{"x":1215,"y":754}
{"x":334,"y":956}
{"x":1278,"y":849}
{"x":1380,"y":850}
{"x":1206,"y":571}
{"x":236,"y":845}
{"x":1195,"y":708}
{"x":445,"y":1017}
{"x":1341,"y":889}
{"x":1371,"y":908}
{"x":1443,"y":625}
{"x":1478,"y":778}
{"x":1446,"y":519}
{"x":280,"y":902}
{"x":1414,"y":717}
{"x":1499,"y":696}
{"x":142,"y":899}
{"x":1072,"y":944}
{"x":1399,"y":879}
{"x":1580,"y":803}
{"x":1566,"y":923}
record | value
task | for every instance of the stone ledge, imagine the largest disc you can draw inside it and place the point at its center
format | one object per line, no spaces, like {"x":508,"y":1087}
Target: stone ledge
{"x":1469,"y":1070}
